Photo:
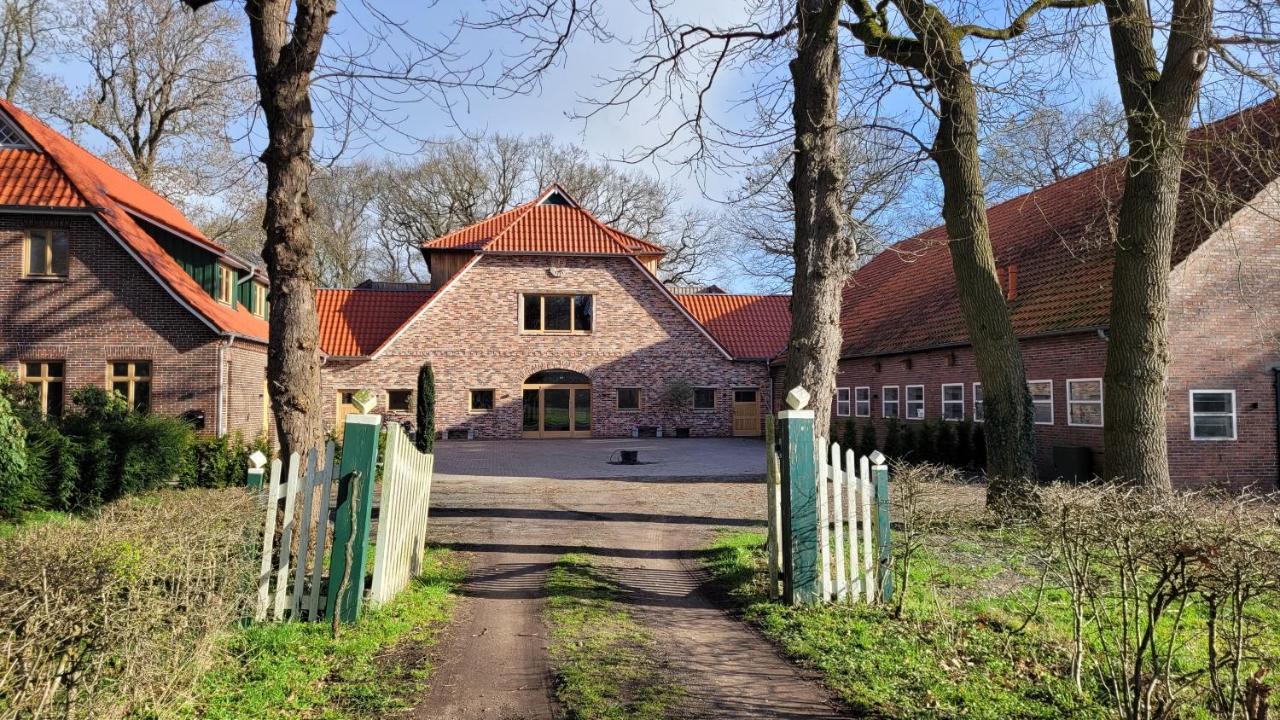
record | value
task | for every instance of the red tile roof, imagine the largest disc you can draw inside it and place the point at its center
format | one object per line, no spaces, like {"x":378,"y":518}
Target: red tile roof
{"x":750,"y":327}
{"x":545,"y":228}
{"x":117,"y":199}
{"x":29,"y":177}
{"x":1057,"y":238}
{"x":356,"y":322}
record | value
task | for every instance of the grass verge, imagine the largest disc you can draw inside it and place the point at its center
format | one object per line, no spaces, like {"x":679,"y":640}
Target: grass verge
{"x":944,"y":658}
{"x":607,"y":666}
{"x":297,"y":670}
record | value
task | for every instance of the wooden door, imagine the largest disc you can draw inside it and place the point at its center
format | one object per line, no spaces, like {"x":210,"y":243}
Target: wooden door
{"x":346,"y":406}
{"x":557,"y":411}
{"x":746,"y":413}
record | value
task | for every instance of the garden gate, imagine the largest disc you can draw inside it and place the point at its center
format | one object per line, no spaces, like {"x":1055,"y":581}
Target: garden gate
{"x":819,"y":496}
{"x":295,"y":582}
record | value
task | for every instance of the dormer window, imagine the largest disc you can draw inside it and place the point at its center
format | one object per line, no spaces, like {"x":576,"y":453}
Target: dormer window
{"x":260,"y":300}
{"x":9,"y":135}
{"x":226,"y":284}
{"x":46,"y":254}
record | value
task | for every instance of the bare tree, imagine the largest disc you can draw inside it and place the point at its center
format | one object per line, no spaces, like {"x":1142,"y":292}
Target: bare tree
{"x":25,"y":29}
{"x":1160,"y":62}
{"x":165,"y":90}
{"x":879,"y":175}
{"x":1046,"y":144}
{"x":344,"y":224}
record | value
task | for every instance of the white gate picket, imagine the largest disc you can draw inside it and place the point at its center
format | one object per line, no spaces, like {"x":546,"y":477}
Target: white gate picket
{"x":824,"y":518}
{"x":851,"y":512}
{"x":865,"y":491}
{"x":307,"y":492}
{"x":402,"y":516}
{"x":837,"y":506}
{"x":286,"y":537}
{"x":322,"y":533}
{"x":268,"y":537}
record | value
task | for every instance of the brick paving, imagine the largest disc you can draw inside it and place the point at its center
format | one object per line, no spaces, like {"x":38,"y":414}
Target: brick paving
{"x":590,"y":458}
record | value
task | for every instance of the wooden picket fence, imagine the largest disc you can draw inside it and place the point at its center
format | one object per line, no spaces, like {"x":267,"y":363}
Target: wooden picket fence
{"x":854,"y":543}
{"x":294,"y":578}
{"x":402,"y":516}
{"x":296,"y":569}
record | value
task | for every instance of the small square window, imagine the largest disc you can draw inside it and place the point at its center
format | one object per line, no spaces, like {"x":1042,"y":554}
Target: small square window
{"x":480,"y":400}
{"x":915,"y":402}
{"x":46,"y":255}
{"x":45,"y":381}
{"x":704,"y":398}
{"x":862,"y":402}
{"x":628,"y":398}
{"x":1084,"y":402}
{"x":842,"y":402}
{"x":953,"y":402}
{"x":889,"y":401}
{"x":400,"y":400}
{"x":1213,"y":414}
{"x":133,"y":381}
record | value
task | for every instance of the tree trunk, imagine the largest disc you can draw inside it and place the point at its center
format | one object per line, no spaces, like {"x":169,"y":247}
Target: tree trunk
{"x":1009,"y":413}
{"x":284,"y":65}
{"x":1158,"y":106}
{"x":825,"y":254}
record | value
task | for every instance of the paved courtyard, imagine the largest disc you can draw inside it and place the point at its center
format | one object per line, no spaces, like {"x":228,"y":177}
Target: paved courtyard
{"x":597,"y":458}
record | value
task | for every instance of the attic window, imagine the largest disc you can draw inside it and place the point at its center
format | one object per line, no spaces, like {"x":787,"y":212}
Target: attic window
{"x":556,"y":198}
{"x":9,"y":135}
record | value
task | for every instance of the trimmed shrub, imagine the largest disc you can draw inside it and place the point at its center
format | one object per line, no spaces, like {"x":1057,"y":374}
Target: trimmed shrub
{"x":910,"y":442}
{"x":223,"y":462}
{"x":944,"y":443}
{"x":979,"y":447}
{"x":117,"y":615}
{"x":18,"y":491}
{"x":426,"y":409}
{"x":867,"y":443}
{"x":964,"y":444}
{"x":893,"y":438}
{"x":849,"y":439}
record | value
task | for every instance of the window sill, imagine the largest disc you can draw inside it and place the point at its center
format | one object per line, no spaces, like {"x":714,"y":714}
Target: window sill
{"x":43,"y":278}
{"x":628,"y":410}
{"x":555,"y":332}
{"x":479,"y":412}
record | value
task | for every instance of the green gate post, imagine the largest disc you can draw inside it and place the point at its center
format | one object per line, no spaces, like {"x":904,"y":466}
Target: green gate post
{"x":359,"y":453}
{"x":799,"y":501}
{"x":884,"y":537}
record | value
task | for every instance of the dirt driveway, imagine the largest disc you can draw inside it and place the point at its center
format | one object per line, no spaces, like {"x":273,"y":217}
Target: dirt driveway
{"x":645,"y":532}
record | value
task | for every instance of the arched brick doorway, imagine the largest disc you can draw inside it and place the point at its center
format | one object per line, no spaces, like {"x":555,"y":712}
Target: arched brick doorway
{"x":557,"y":404}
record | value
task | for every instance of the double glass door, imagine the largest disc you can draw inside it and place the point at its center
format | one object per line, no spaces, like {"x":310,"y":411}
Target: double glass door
{"x":552,"y":411}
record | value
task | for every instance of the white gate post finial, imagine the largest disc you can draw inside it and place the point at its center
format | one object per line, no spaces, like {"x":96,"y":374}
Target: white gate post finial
{"x":877,"y":458}
{"x":797,"y":398}
{"x":257,"y":460}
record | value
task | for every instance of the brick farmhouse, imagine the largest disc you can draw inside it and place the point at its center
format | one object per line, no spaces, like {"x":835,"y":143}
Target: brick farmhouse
{"x":104,"y":283}
{"x":906,"y":353}
{"x":544,"y":322}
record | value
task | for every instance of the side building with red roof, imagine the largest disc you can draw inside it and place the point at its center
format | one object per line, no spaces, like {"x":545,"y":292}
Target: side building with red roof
{"x":906,"y":353}
{"x":543,"y":322}
{"x":104,"y":283}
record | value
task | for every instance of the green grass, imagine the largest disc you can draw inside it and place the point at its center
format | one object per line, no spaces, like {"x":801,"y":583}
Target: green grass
{"x":942,"y":659}
{"x":35,"y":517}
{"x":606,"y":665}
{"x":297,"y":670}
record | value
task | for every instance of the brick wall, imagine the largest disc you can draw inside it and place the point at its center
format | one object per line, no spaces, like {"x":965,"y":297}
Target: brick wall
{"x":108,"y":308}
{"x":1224,"y":325}
{"x":1059,"y":358}
{"x":246,"y":376}
{"x":471,"y":335}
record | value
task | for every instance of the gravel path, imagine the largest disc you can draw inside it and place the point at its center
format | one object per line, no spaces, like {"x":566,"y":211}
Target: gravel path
{"x":646,"y":533}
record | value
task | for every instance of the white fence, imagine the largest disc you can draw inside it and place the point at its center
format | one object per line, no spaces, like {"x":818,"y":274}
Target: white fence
{"x":297,"y":566}
{"x":402,"y":516}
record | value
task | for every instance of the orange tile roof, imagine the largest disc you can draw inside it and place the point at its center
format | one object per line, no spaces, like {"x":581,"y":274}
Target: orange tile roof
{"x":750,"y":327}
{"x":117,"y":199}
{"x":1058,"y":239}
{"x":28,"y":177}
{"x":355,"y":322}
{"x":543,"y":228}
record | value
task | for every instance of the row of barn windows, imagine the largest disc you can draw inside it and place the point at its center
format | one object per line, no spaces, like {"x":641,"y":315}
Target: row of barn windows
{"x":1213,"y":412}
{"x":46,"y":258}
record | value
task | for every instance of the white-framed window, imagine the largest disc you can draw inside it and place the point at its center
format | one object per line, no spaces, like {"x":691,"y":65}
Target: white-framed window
{"x":842,"y":402}
{"x":953,"y":401}
{"x":862,"y":402}
{"x":915,"y":402}
{"x":1213,"y":414}
{"x":979,"y":410}
{"x":1042,"y":397}
{"x":1084,"y":402}
{"x":889,"y":403}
